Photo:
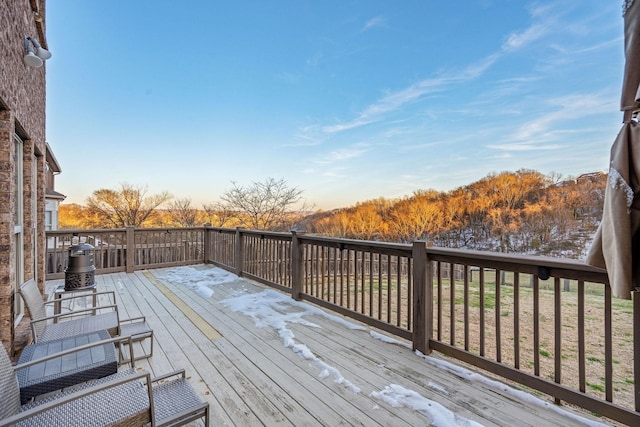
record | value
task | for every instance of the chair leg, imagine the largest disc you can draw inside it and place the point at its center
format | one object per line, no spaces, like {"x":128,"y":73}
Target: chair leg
{"x":137,"y":339}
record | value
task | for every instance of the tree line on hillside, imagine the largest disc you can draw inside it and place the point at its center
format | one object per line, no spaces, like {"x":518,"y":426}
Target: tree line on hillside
{"x":522,"y":212}
{"x":266,"y":205}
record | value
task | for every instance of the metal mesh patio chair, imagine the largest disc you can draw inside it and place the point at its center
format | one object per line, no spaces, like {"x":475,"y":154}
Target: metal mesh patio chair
{"x":139,"y":331}
{"x":53,"y":365}
{"x":94,"y":318}
{"x":127,"y":398}
{"x":175,"y":401}
{"x":46,"y":328}
{"x":121,"y":399}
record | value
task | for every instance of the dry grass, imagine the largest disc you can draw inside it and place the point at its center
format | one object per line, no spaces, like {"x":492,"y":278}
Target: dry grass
{"x":504,"y":313}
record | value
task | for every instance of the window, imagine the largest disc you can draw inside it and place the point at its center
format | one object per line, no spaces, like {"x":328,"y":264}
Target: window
{"x":34,"y":215}
{"x":18,"y":216}
{"x":48,"y":220}
{"x":18,"y":179}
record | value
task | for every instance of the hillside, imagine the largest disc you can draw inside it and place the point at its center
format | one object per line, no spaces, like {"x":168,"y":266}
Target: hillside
{"x":522,"y":212}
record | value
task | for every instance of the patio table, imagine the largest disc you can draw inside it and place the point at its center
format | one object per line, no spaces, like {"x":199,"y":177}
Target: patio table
{"x":60,"y":292}
{"x":67,"y":370}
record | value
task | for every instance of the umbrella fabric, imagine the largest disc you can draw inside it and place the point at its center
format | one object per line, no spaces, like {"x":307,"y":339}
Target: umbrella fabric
{"x":616,"y":246}
{"x":629,"y":100}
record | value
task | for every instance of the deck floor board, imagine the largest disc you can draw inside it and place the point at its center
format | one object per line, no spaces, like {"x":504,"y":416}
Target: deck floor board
{"x":261,"y":348}
{"x":251,"y":378}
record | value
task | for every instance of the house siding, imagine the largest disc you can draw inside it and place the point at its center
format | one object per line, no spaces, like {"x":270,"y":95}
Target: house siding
{"x":22,"y":112}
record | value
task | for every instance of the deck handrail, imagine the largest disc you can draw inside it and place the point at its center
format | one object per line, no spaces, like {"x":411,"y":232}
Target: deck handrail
{"x":546,"y":323}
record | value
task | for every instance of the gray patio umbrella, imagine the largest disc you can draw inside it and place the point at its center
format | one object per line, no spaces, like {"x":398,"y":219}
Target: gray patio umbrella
{"x":616,"y":246}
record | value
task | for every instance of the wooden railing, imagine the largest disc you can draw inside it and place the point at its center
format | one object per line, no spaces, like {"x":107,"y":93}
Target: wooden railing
{"x":151,"y":248}
{"x":549,"y":324}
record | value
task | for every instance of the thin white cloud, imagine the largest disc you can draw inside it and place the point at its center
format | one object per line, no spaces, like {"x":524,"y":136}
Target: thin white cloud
{"x":392,"y":101}
{"x":340,"y":127}
{"x":303,"y":142}
{"x":504,"y":89}
{"x":549,"y":131}
{"x":569,"y":107}
{"x":327,"y":171}
{"x":541,"y":10}
{"x":315,"y":59}
{"x":521,"y":147}
{"x":395,"y":100}
{"x":288,"y":78}
{"x":536,"y":134}
{"x":307,"y":136}
{"x":343,"y":154}
{"x":334,"y":173}
{"x":377,"y":21}
{"x":518,"y":40}
{"x":613,"y":43}
{"x":478,"y":68}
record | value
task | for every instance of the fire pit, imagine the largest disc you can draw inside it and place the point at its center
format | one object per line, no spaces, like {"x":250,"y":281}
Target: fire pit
{"x":80,"y":272}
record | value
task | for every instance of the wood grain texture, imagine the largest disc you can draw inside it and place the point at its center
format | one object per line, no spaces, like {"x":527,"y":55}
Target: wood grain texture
{"x":250,"y":378}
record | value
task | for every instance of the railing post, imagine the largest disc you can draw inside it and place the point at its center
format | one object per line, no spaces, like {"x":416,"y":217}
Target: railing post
{"x":131,"y":248}
{"x":636,"y":347}
{"x":207,"y":244}
{"x":422,"y":298}
{"x":297,"y":266}
{"x":239,"y":252}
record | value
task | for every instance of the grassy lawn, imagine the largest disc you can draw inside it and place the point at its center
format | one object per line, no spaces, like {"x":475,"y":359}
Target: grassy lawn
{"x":381,"y":299}
{"x":505,"y":314}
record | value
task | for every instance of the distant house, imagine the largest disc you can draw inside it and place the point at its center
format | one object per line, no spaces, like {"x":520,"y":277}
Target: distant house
{"x":24,"y":157}
{"x":52,"y":198}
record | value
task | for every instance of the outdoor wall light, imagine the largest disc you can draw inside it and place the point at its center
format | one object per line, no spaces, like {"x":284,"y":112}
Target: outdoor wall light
{"x":36,"y":54}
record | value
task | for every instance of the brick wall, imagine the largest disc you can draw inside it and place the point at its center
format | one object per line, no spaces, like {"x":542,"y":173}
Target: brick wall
{"x":22,"y":112}
{"x":7,"y":252}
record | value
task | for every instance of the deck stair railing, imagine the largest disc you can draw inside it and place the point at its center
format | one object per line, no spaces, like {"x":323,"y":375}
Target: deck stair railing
{"x":547,"y":323}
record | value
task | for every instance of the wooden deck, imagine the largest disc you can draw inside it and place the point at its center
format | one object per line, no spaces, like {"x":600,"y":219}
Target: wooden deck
{"x":251,"y":378}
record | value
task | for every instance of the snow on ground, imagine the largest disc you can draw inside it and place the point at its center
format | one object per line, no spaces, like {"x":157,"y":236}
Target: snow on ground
{"x":506,"y":389}
{"x":388,"y":339}
{"x":398,"y":396}
{"x":197,"y":279}
{"x":270,"y":308}
{"x":273,"y":309}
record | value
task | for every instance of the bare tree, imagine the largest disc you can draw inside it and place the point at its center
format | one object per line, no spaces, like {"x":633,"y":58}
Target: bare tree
{"x":218,"y":214}
{"x":129,"y":205}
{"x":264,"y":205}
{"x":182,"y":213}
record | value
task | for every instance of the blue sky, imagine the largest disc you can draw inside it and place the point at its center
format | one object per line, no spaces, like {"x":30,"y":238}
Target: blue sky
{"x":346,"y":100}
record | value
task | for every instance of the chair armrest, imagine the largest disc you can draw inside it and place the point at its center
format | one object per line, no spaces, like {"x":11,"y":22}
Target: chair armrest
{"x":82,"y":393}
{"x":180,"y":372}
{"x":73,"y":313}
{"x":134,"y":320}
{"x":85,"y":295}
{"x":72,"y":350}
